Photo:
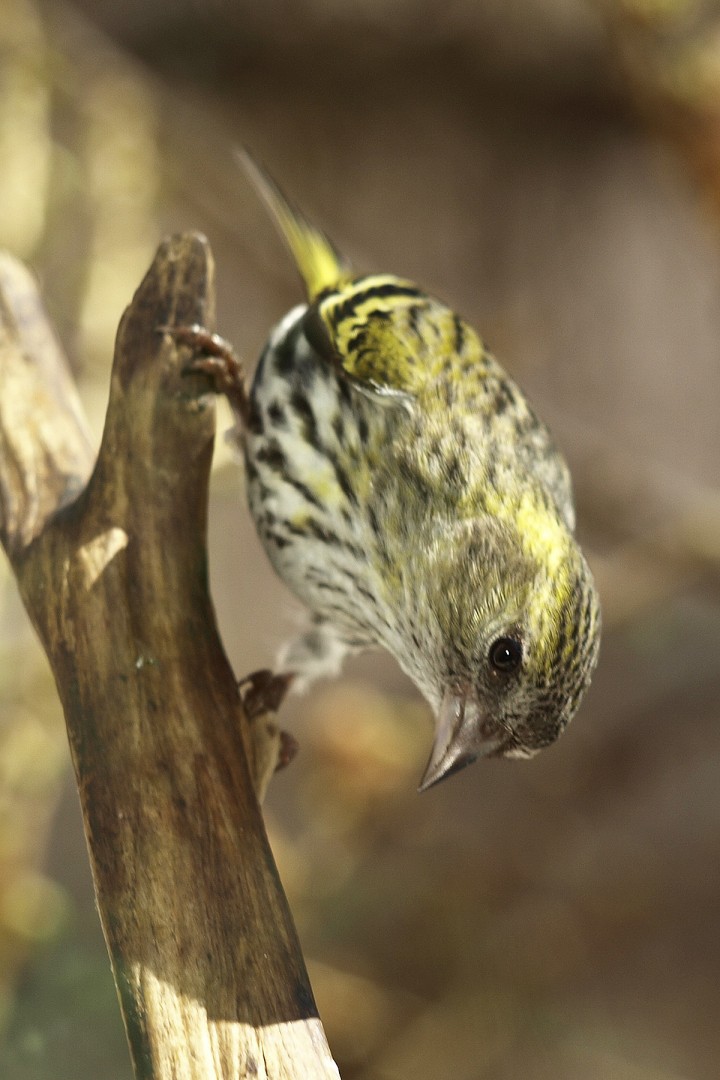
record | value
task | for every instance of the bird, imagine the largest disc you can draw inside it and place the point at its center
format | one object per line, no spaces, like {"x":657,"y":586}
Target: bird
{"x":407,"y":493}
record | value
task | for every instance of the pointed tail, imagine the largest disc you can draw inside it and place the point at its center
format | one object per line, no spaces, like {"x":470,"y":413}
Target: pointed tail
{"x":320,"y":265}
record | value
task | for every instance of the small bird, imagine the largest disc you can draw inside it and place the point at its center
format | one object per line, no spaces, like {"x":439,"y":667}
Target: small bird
{"x":405,"y":490}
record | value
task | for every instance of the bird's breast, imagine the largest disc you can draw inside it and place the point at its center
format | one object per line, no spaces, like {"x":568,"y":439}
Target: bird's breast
{"x":313,"y":446}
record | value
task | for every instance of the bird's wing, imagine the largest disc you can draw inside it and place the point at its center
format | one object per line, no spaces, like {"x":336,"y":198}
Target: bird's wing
{"x":384,"y":333}
{"x":391,"y":337}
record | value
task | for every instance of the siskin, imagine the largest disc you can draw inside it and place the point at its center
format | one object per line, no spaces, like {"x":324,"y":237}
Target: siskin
{"x":405,"y":490}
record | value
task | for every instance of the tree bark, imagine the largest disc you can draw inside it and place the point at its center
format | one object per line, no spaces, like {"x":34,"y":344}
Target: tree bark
{"x":111,"y":562}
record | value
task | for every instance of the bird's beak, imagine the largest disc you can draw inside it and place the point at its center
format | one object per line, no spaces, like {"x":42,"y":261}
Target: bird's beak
{"x":459,"y":738}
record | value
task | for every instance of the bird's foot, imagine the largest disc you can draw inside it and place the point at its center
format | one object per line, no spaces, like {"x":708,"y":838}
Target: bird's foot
{"x":262,"y":693}
{"x":215,"y":357}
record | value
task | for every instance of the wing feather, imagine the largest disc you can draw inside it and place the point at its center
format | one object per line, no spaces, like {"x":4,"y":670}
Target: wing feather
{"x":384,"y":333}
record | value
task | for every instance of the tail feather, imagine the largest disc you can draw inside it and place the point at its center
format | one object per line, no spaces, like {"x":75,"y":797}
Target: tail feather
{"x":320,"y":265}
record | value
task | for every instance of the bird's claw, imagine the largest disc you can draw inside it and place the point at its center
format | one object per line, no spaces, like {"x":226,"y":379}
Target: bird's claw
{"x":216,"y":358}
{"x":288,"y":750}
{"x":262,"y":694}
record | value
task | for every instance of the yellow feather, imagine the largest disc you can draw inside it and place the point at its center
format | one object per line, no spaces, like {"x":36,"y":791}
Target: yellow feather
{"x":320,"y":265}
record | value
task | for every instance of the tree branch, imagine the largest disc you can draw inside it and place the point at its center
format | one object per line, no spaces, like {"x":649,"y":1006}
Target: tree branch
{"x":113,"y":573}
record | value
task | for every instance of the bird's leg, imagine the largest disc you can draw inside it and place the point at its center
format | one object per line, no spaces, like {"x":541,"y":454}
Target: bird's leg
{"x":271,"y":749}
{"x":317,"y":653}
{"x":214,"y":356}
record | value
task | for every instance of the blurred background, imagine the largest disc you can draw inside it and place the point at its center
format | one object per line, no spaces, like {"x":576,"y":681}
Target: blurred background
{"x":552,"y":169}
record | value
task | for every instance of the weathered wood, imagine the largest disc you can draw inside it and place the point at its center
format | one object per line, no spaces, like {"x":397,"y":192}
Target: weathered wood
{"x":113,"y":573}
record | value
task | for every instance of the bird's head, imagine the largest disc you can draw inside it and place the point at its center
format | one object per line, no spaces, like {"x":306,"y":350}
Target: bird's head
{"x":516,"y":628}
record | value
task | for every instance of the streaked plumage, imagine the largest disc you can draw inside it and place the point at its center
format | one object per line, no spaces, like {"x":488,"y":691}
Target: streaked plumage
{"x":404,"y":489}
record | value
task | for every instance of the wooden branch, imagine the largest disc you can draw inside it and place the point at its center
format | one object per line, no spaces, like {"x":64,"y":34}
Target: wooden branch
{"x":113,"y":573}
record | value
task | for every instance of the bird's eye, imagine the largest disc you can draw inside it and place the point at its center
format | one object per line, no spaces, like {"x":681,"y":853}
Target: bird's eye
{"x":505,"y":655}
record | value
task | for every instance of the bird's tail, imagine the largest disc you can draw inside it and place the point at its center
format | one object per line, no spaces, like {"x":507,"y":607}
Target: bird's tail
{"x":320,"y":265}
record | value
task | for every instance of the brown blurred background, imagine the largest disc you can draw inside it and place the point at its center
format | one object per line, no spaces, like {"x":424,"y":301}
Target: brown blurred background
{"x":552,"y":168}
